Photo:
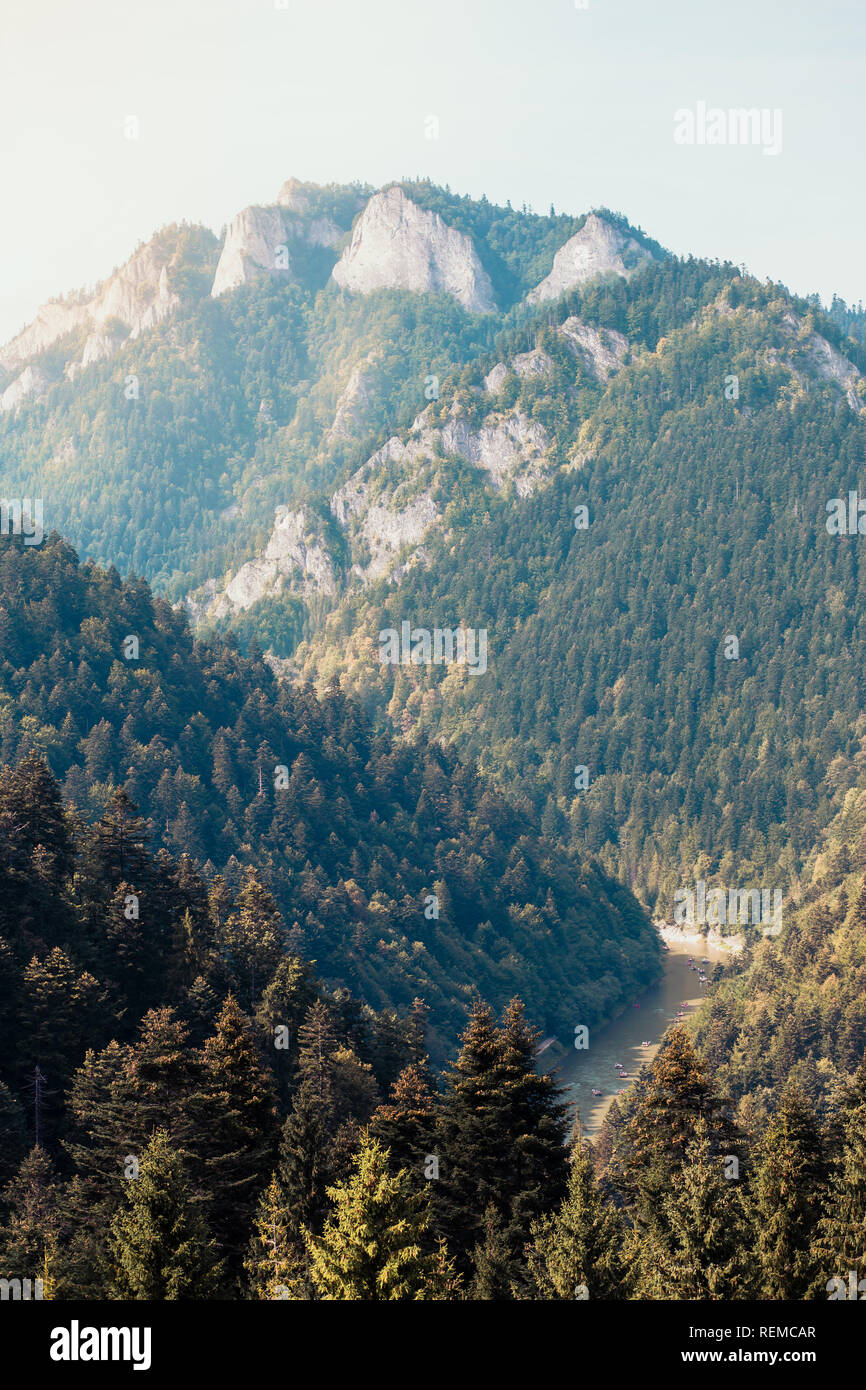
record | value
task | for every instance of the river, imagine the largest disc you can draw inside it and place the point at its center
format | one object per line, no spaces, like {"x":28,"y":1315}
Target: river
{"x":622,"y":1040}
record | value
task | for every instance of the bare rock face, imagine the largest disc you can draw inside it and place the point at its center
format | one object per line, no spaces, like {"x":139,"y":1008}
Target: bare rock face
{"x":31,"y":382}
{"x":495,"y":378}
{"x":507,"y":447}
{"x":258,"y":240}
{"x":295,"y":560}
{"x":292,"y":196}
{"x":379,"y":524}
{"x":97,"y":347}
{"x":54,"y":320}
{"x":139,"y":295}
{"x":357,"y":399}
{"x":603,"y":349}
{"x":526,"y":364}
{"x":597,"y":249}
{"x":136,"y":297}
{"x":255,"y":244}
{"x":398,"y":245}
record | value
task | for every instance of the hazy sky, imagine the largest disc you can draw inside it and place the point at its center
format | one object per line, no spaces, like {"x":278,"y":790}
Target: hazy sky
{"x":538,"y":101}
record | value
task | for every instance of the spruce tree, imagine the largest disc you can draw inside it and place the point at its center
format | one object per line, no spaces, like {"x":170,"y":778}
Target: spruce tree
{"x":253,"y":940}
{"x":579,"y":1247}
{"x":785,"y":1198}
{"x":500,"y":1137}
{"x":673,"y":1097}
{"x":700,"y":1249}
{"x":841,"y":1240}
{"x":239,"y":1127}
{"x":32,"y":1230}
{"x":274,"y":1264}
{"x":405,"y":1125}
{"x":160,"y":1247}
{"x":372,"y":1245}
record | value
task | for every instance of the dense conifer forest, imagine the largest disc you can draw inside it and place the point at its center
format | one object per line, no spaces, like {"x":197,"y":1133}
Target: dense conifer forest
{"x":285,"y":931}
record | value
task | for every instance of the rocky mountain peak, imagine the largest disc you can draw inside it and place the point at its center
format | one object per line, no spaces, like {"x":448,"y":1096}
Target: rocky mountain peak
{"x":255,"y":244}
{"x":599,"y":248}
{"x":293,"y":197}
{"x":134,"y":298}
{"x":398,"y":245}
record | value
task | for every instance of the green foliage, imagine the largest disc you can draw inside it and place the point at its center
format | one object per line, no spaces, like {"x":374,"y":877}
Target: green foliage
{"x":159,"y":1243}
{"x":371,"y":1246}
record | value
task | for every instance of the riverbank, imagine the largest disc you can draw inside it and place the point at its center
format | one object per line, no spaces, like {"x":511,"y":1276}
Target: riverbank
{"x":690,"y":936}
{"x":591,"y":1078}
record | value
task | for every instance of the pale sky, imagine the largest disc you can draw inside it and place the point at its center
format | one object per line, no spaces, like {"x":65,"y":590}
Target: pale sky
{"x":538,"y":101}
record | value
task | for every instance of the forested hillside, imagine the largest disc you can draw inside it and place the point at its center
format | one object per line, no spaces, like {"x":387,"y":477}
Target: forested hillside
{"x":705,"y":519}
{"x":394,"y":867}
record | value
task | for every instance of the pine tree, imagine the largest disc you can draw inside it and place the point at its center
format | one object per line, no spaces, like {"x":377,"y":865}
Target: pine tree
{"x":699,"y":1250}
{"x":841,"y":1241}
{"x":405,"y":1126}
{"x":500,"y":1137}
{"x":160,"y":1248}
{"x":671,"y":1099}
{"x":272,"y":1263}
{"x":238,"y":1119}
{"x":497,"y":1276}
{"x":785,"y":1198}
{"x":253,"y":939}
{"x":371,"y":1247}
{"x":118,"y":848}
{"x":30,"y":1235}
{"x":283,"y":1006}
{"x":577,"y":1251}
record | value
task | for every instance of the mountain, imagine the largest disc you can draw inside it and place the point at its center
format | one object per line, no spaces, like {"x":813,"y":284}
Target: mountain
{"x":394,"y":867}
{"x":331,"y":435}
{"x":397,"y":245}
{"x":71,"y":334}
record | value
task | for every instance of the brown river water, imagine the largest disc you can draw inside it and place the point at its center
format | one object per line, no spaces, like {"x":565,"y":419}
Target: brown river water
{"x":578,"y":1072}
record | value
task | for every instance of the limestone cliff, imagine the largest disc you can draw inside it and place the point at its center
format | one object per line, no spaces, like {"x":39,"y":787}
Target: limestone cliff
{"x":598,"y":248}
{"x":398,"y":245}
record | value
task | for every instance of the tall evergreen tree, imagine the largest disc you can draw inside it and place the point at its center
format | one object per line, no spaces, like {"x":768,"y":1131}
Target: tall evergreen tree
{"x":786,"y":1196}
{"x":577,"y":1250}
{"x":29,"y":1239}
{"x":239,"y":1127}
{"x":371,"y":1247}
{"x":700,"y":1249}
{"x":500,"y":1136}
{"x":160,"y":1247}
{"x":841,"y":1240}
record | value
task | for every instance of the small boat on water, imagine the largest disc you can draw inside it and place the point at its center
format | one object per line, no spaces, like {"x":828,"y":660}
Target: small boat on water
{"x":542,"y":1047}
{"x":646,"y":1044}
{"x":596,"y":1091}
{"x":623,"y":1075}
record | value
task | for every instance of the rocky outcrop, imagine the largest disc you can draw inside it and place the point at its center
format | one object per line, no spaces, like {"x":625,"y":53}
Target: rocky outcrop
{"x":831,"y":366}
{"x":293,"y":196}
{"x":809,"y":355}
{"x":53,"y":321}
{"x":259,"y":240}
{"x":295,"y":560}
{"x":356,"y":404}
{"x":398,"y":245}
{"x":379,"y":526}
{"x":508,"y":447}
{"x":31,"y":382}
{"x":255,"y":244}
{"x":133,"y":299}
{"x":598,"y":248}
{"x":602,"y":349}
